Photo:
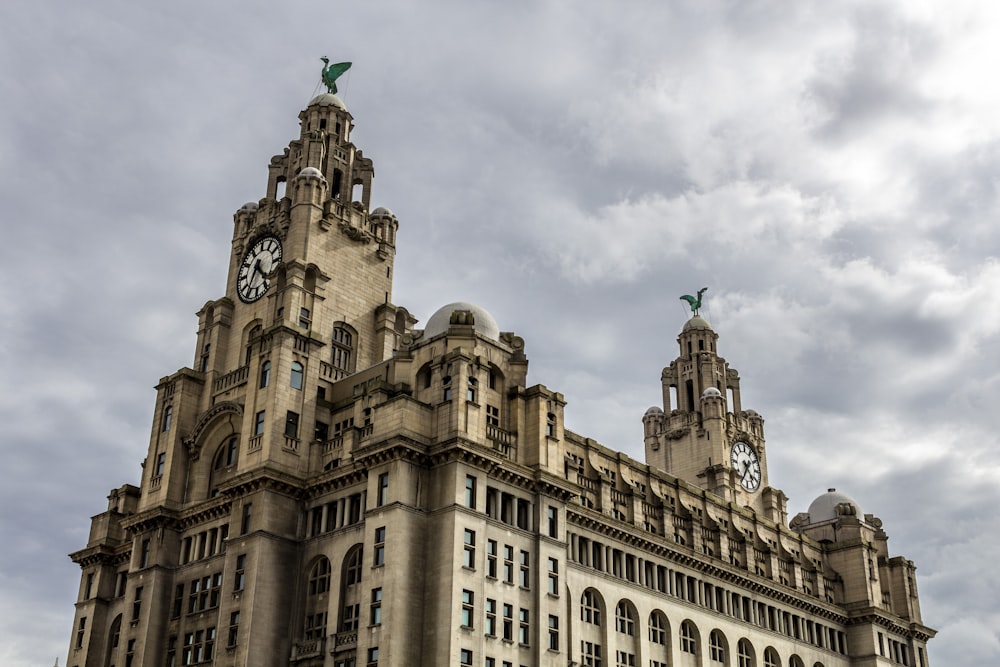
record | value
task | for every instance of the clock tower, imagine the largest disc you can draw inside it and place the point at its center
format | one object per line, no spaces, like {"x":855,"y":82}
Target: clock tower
{"x":702,"y":434}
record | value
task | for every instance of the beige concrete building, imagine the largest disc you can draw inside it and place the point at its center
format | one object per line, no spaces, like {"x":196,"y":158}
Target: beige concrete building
{"x":328,"y":485}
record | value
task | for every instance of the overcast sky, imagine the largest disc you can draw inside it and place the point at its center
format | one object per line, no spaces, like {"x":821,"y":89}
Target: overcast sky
{"x":830,"y":170}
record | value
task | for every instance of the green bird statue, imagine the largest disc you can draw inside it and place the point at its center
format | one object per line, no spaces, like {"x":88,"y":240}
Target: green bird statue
{"x":332,"y":72}
{"x":695,"y":302}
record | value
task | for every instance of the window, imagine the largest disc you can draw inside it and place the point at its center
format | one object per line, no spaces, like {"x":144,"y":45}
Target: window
{"x":245,"y":522}
{"x":491,"y":618}
{"x":470,"y":393}
{"x":229,"y":453}
{"x":552,"y":514}
{"x":81,"y":632}
{"x":315,"y":625}
{"x":265,"y":374}
{"x":469,"y":555}
{"x":508,"y":564}
{"x":375,"y":615}
{"x":553,"y":576}
{"x":204,"y":357}
{"x":658,"y":628}
{"x":590,"y":654}
{"x":508,"y":622}
{"x":89,"y":588}
{"x":624,"y":659}
{"x":198,"y":646}
{"x":161,"y":462}
{"x":144,"y":554}
{"x":467,"y":608}
{"x":470,"y":492}
{"x":744,"y":654}
{"x":624,"y":619}
{"x":137,"y":603}
{"x":716,"y":647}
{"x":465,"y":657}
{"x":446,"y":381}
{"x":168,"y":417}
{"x":239,"y":578}
{"x":492,"y":415}
{"x":689,"y":638}
{"x":342,"y":348}
{"x":349,"y":620}
{"x":553,"y":632}
{"x":771,"y":658}
{"x":373,"y":656}
{"x":319,"y":577}
{"x":352,"y":568}
{"x":304,"y":318}
{"x":292,"y":424}
{"x":525,"y":568}
{"x":295,"y":382}
{"x":379,"y":558}
{"x":523,"y":627}
{"x":258,"y":428}
{"x":590,"y":610}
{"x":234,"y":629}
{"x":491,"y":559}
{"x":382,"y":493}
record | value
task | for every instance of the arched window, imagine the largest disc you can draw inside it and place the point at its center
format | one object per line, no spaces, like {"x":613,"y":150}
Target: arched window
{"x":114,"y":638}
{"x":771,"y":658}
{"x":343,"y":349}
{"x":689,"y":638}
{"x":590,"y":607}
{"x":352,"y":566}
{"x":224,"y":464}
{"x":795,"y":661}
{"x":717,"y":647}
{"x":745,"y":654}
{"x":624,"y":619}
{"x":296,"y":379}
{"x":251,"y":339}
{"x":659,"y":630}
{"x":319,"y":577}
{"x":265,"y":373}
{"x":350,"y":591}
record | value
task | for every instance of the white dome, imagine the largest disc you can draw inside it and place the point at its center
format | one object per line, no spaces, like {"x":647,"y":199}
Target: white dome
{"x":483,"y":321}
{"x":653,"y":411}
{"x":711,"y":392}
{"x":824,"y":507}
{"x":327,"y":100}
{"x":249,"y":206}
{"x":311,"y":172}
{"x":383,"y":211}
{"x":697,"y":322}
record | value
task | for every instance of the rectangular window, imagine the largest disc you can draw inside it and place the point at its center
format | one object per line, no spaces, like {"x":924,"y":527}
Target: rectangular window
{"x":245,"y":521}
{"x":144,"y":554}
{"x":258,"y":428}
{"x":467,"y":608}
{"x":137,"y":603}
{"x":470,"y":492}
{"x":523,"y":627}
{"x":553,"y":520}
{"x":553,"y":633}
{"x":89,"y":588}
{"x":590,"y":654}
{"x":491,"y":559}
{"x":469,"y":555}
{"x":161,"y":462}
{"x":373,"y":656}
{"x":382,"y":494}
{"x":81,"y":632}
{"x":508,"y":563}
{"x":492,"y":415}
{"x":525,"y":566}
{"x":234,"y":629}
{"x":465,"y":657}
{"x":553,"y":576}
{"x":379,"y":558}
{"x":292,"y":424}
{"x":508,"y":622}
{"x":375,"y":615}
{"x":491,"y":618}
{"x":322,"y":430}
{"x":240,"y":577}
{"x":350,"y":618}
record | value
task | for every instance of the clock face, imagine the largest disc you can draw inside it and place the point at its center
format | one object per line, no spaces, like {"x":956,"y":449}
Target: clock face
{"x":746,"y":464}
{"x":262,"y":257}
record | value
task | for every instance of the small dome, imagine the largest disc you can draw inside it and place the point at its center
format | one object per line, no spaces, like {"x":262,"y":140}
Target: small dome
{"x":653,"y":411}
{"x":327,"y":100}
{"x":824,"y":508}
{"x":311,"y":172}
{"x":697,"y":322}
{"x":711,"y":392}
{"x":249,"y":207}
{"x":483,"y":321}
{"x":382,"y":212}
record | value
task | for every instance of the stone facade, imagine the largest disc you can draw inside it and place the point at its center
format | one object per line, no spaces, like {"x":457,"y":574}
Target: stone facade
{"x":329,"y":486}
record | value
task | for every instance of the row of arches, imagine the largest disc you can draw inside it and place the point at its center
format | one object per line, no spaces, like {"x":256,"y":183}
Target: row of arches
{"x":718,"y":650}
{"x":319,"y":583}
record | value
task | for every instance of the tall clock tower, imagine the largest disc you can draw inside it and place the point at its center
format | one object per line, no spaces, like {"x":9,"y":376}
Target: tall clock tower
{"x":702,"y":434}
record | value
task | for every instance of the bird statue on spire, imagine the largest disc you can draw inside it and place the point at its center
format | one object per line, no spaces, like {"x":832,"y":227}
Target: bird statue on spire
{"x":695,"y":302}
{"x":331,"y":73}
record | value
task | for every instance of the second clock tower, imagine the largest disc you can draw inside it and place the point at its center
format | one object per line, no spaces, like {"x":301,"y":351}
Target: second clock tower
{"x":702,"y":434}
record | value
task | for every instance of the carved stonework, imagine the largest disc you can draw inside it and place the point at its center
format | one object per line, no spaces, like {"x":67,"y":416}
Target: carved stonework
{"x":194,"y":441}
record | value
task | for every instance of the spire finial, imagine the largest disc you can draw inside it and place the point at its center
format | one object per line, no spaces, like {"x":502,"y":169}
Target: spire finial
{"x":695,"y":302}
{"x":331,"y":73}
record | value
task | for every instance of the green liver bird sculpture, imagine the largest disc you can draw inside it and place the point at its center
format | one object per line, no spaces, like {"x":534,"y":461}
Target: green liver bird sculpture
{"x":695,"y":302}
{"x":332,"y":72}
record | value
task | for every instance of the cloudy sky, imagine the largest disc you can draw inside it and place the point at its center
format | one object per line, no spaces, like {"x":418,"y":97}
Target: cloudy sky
{"x":829,"y":170}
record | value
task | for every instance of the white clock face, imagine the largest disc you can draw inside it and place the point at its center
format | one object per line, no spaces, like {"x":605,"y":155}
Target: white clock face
{"x":260,"y":260}
{"x":746,"y":464}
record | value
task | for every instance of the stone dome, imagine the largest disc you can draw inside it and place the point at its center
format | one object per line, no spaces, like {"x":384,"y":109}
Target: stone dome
{"x":311,"y":172}
{"x":824,"y":508}
{"x":382,"y":212}
{"x":653,"y":411}
{"x":249,"y":207}
{"x":483,"y":322}
{"x":327,"y":100}
{"x":711,"y":392}
{"x":697,"y":322}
